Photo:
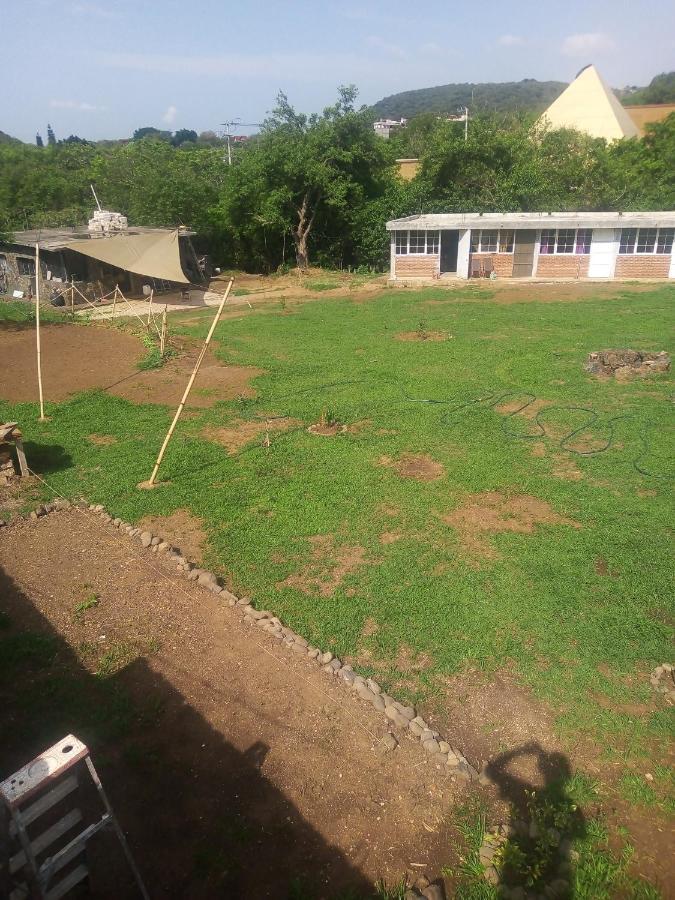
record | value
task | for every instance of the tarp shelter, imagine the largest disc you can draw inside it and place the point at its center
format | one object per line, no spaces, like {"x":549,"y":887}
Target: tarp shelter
{"x":154,"y":255}
{"x":589,"y":105}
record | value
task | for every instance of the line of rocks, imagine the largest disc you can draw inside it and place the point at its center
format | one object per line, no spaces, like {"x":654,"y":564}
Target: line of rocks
{"x":397,"y":714}
{"x":492,"y":849}
{"x":662,"y":680}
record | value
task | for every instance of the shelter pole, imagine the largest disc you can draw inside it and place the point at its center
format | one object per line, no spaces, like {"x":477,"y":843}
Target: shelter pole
{"x":72,"y":297}
{"x":114,"y":304}
{"x":162,"y":337}
{"x":181,"y":405}
{"x":37,"y":330}
{"x":152,"y":291}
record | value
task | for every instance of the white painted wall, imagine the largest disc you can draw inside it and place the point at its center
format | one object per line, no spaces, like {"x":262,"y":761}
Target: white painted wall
{"x":392,"y":255}
{"x":604,"y":251}
{"x":671,"y":271}
{"x":463,"y":251}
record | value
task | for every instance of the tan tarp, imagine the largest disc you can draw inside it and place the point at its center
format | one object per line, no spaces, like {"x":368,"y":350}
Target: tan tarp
{"x":589,"y":105}
{"x":155,"y":255}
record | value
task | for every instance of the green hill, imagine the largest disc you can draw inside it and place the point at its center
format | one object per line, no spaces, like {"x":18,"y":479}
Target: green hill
{"x":660,"y":89}
{"x":8,"y":139}
{"x":527,"y":95}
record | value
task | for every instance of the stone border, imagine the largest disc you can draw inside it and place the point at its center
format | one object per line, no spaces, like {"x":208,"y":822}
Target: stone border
{"x":662,"y":679}
{"x":396,"y":714}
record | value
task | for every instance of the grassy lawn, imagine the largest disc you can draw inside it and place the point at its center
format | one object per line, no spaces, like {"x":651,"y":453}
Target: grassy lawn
{"x":324,"y":530}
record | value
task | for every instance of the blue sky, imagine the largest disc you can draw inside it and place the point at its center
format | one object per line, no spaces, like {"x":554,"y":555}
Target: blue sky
{"x":101,"y":68}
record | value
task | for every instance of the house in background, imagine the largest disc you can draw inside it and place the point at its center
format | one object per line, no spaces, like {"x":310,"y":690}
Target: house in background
{"x":589,"y":105}
{"x":566,"y":245}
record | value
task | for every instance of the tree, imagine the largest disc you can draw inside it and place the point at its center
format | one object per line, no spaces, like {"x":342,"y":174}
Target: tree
{"x":184,"y":136}
{"x":51,"y":137}
{"x":38,"y":140}
{"x":150,"y":132}
{"x":302,"y":169}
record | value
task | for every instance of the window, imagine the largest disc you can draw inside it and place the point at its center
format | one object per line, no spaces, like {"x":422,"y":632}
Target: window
{"x":627,"y":244}
{"x":646,"y":240}
{"x":547,"y":243}
{"x":417,"y":242}
{"x":3,"y":262}
{"x":401,"y":243}
{"x":506,"y":242}
{"x":26,"y":266}
{"x":583,"y":244}
{"x":664,"y":243}
{"x":565,"y":240}
{"x":491,"y":241}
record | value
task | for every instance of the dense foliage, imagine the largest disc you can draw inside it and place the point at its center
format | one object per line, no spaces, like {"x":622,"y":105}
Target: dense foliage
{"x":528,"y":95}
{"x":661,"y":89}
{"x":319,"y":189}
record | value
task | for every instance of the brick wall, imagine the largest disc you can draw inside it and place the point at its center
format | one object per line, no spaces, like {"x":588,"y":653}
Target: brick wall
{"x":502,"y":262}
{"x":562,"y":265}
{"x":416,"y":266}
{"x":642,"y":266}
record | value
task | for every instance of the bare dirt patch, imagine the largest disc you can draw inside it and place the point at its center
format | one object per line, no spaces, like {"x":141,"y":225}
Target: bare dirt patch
{"x":565,"y":468}
{"x":423,"y":336}
{"x":181,"y":529}
{"x":74,"y":358}
{"x":330,"y":563}
{"x":493,"y":513}
{"x":326,"y":429}
{"x":102,"y":440}
{"x":521,"y":406}
{"x":390,"y":537}
{"x":166,"y":385}
{"x":240,"y":433}
{"x":421,"y":467}
{"x":538,"y":448}
{"x":294,"y":760}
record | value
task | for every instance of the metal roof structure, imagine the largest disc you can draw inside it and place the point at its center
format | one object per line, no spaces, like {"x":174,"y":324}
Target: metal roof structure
{"x":443,"y":221}
{"x":60,"y":238}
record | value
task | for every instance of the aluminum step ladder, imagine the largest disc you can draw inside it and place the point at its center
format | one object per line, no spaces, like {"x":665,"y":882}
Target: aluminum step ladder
{"x":48,"y":787}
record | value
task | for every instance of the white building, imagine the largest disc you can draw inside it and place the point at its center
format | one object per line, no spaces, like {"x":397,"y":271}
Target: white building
{"x":567,"y":245}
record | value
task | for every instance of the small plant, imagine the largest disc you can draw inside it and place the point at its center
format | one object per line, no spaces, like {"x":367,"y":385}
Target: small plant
{"x":328,"y":418}
{"x":282,"y":304}
{"x":422,"y":332}
{"x":115,"y":658}
{"x":91,"y":602}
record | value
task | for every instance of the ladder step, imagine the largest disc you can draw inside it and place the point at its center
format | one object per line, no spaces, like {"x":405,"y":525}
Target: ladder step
{"x":47,"y":837}
{"x":35,"y":810}
{"x":66,"y":884}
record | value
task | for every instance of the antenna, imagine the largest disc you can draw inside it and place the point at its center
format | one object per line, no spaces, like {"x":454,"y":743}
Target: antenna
{"x":95,"y":197}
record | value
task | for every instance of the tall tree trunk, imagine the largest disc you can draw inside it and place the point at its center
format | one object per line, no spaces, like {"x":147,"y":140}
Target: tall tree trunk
{"x":302,"y":229}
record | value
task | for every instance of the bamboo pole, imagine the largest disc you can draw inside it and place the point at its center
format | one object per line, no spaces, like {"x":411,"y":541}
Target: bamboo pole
{"x":162,"y":337}
{"x":151,"y":482}
{"x":37,"y":330}
{"x":152,"y":291}
{"x":72,"y":298}
{"x":114,"y":304}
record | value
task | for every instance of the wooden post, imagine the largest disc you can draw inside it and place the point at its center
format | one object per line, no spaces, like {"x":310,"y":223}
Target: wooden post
{"x":114,"y":304}
{"x":152,"y":291}
{"x":162,"y":337}
{"x":151,"y":482}
{"x":72,"y":297}
{"x":37,"y":330}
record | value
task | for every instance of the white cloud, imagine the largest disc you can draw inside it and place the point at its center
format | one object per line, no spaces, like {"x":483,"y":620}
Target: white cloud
{"x":431,"y":48}
{"x":170,"y":115}
{"x":588,"y":43}
{"x":74,"y":104}
{"x":379,"y":43}
{"x":510,"y":40}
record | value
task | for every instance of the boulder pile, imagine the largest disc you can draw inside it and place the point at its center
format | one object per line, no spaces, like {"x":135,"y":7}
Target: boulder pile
{"x":622,"y":364}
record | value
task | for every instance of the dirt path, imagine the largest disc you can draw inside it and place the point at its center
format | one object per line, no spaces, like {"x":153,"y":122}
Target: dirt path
{"x":254,"y":771}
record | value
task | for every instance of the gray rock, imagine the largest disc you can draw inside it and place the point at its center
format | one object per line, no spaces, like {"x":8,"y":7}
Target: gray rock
{"x":255,"y":613}
{"x":492,"y":875}
{"x":374,"y":686}
{"x":445,"y":747}
{"x":411,"y":894}
{"x":106,"y":518}
{"x":434,"y":892}
{"x":335,"y":664}
{"x":116,"y":522}
{"x":359,"y":681}
{"x":366,"y":694}
{"x":214,"y":587}
{"x":298,"y":648}
{"x":231,"y":598}
{"x":61,"y":503}
{"x":146,"y":538}
{"x":312,"y":652}
{"x":244,"y":601}
{"x":347,"y":675}
{"x":162,"y":547}
{"x":325,"y":658}
{"x":3,"y":524}
{"x":193,"y":575}
{"x":431,"y":746}
{"x":420,"y":721}
{"x":378,"y":703}
{"x":156,"y":541}
{"x":407,"y":712}
{"x":389,"y":742}
{"x":98,"y":507}
{"x":395,"y":716}
{"x":415,"y":728}
{"x":301,"y":640}
{"x":427,"y":735}
{"x":34,"y":515}
{"x":206,"y":578}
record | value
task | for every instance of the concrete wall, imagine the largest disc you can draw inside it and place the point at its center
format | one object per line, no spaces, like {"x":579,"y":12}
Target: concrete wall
{"x":562,"y":265}
{"x":642,"y":265}
{"x":417,"y":266}
{"x":502,"y":262}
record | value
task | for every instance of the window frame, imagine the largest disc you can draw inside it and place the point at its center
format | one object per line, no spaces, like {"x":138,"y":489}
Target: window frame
{"x":26,"y":262}
{"x":430,"y":247}
{"x":476,"y":244}
{"x":572,"y":243}
{"x":662,"y":245}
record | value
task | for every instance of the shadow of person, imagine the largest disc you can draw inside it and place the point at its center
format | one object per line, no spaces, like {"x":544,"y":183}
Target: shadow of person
{"x":46,"y":458}
{"x":536,"y":855}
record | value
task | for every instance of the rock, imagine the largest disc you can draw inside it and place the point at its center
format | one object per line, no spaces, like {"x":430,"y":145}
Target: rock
{"x":298,"y":639}
{"x":312,"y":652}
{"x":298,"y":648}
{"x":411,"y":894}
{"x":420,"y":721}
{"x":486,"y":854}
{"x":347,"y":675}
{"x":116,"y":522}
{"x":407,"y":712}
{"x":378,"y":703}
{"x":431,"y":746}
{"x":427,"y":735}
{"x":492,"y":875}
{"x":156,"y":541}
{"x":146,"y":538}
{"x":335,"y":664}
{"x":61,"y":503}
{"x":193,"y":575}
{"x":206,"y":578}
{"x":162,"y":547}
{"x":366,"y":694}
{"x":421,"y":883}
{"x":395,"y":716}
{"x":243,"y":601}
{"x":325,"y":658}
{"x":374,"y":686}
{"x":255,"y":613}
{"x":98,"y":507}
{"x":3,"y":524}
{"x":416,"y":728}
{"x":34,"y":516}
{"x":389,"y":742}
{"x":445,"y":747}
{"x":229,"y":597}
{"x":214,"y":587}
{"x":434,"y":892}
{"x":106,"y":518}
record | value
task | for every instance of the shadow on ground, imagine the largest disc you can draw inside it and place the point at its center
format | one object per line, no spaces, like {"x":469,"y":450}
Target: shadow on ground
{"x":202,"y":819}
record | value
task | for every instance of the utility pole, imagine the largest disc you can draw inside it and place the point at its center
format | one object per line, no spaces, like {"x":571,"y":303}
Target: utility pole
{"x":466,"y":124}
{"x":227,"y":126}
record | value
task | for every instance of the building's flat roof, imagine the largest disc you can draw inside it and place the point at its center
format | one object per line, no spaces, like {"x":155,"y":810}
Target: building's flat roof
{"x":534,"y":220}
{"x":59,"y":238}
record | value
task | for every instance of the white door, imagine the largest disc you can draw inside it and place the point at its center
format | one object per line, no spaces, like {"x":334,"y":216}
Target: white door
{"x":603,"y":253}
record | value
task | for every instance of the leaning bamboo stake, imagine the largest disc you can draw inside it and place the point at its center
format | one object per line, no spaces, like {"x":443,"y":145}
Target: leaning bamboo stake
{"x":37,"y":330}
{"x":114,"y":304}
{"x":151,"y":482}
{"x":150,"y":307}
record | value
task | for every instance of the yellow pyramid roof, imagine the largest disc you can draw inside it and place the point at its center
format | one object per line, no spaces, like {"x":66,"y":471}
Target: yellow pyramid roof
{"x":589,"y":105}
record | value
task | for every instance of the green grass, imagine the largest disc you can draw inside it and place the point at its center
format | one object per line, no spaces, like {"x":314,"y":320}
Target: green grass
{"x":538,"y":604}
{"x":321,"y":285}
